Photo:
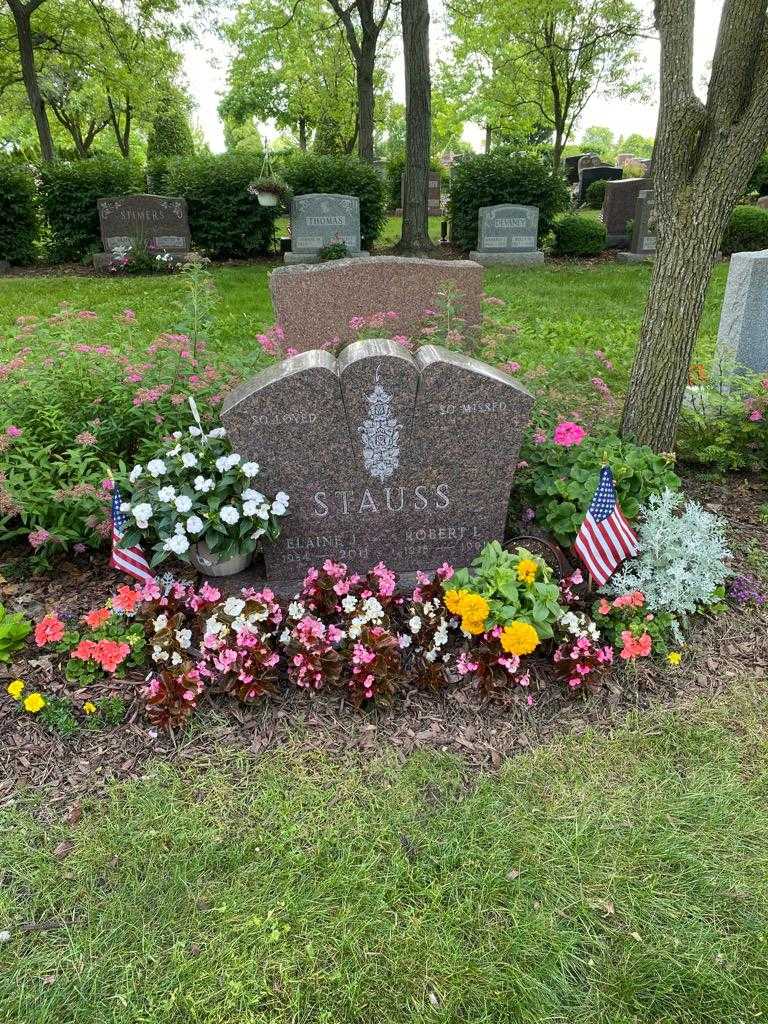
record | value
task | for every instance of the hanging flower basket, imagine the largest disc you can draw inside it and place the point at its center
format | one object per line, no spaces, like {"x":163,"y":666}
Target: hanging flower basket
{"x":270,"y":192}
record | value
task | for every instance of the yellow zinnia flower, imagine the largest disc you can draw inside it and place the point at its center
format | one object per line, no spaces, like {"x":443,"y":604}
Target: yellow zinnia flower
{"x":452,"y":599}
{"x":474,"y":611}
{"x":519,"y":638}
{"x":674,"y":658}
{"x":89,"y":708}
{"x":526,"y":570}
{"x":16,"y":688}
{"x":34,"y":702}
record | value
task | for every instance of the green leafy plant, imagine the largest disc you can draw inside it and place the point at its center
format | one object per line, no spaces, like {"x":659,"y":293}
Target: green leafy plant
{"x":578,"y":236}
{"x":58,"y":716}
{"x":724,"y":421}
{"x":14,"y":630}
{"x":557,"y":482}
{"x":518,"y":587}
{"x":596,"y":194}
{"x":334,"y":250}
{"x":487,"y":180}
{"x":19,"y":216}
{"x":747,"y":230}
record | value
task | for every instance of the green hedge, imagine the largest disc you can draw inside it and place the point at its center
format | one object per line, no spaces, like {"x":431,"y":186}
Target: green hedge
{"x":596,"y":194}
{"x":340,"y":175}
{"x":19,"y":221}
{"x":747,"y":230}
{"x":488,"y":180}
{"x":224,"y":218}
{"x":68,"y":192}
{"x":579,"y":236}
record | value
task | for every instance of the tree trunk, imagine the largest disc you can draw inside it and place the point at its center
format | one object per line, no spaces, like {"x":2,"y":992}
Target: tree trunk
{"x":22,"y":19}
{"x":303,"y":134}
{"x":687,"y":240}
{"x":487,"y":147}
{"x":418,"y":130}
{"x":365,"y":100}
{"x":557,"y":148}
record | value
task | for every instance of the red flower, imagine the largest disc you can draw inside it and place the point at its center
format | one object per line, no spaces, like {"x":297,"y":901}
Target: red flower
{"x":126,"y":599}
{"x":97,"y":617}
{"x":49,"y":630}
{"x":111,"y":653}
{"x":85,"y":650}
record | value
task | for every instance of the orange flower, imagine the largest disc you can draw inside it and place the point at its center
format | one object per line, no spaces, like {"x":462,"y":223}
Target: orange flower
{"x":126,"y":599}
{"x":635,"y":647}
{"x":97,"y":617}
{"x":111,"y":653}
{"x":49,"y":630}
{"x":85,"y":650}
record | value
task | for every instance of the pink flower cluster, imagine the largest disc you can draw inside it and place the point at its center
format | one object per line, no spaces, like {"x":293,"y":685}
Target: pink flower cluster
{"x":568,"y":434}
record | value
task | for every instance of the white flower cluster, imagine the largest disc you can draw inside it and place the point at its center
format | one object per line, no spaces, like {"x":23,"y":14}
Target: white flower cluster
{"x":367,"y":613}
{"x":431,"y":617}
{"x":164,"y":652}
{"x":682,"y":559}
{"x":579,"y":625}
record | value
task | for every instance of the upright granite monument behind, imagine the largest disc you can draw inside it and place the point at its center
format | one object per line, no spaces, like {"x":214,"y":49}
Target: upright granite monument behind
{"x":507,"y":234}
{"x":385,"y":455}
{"x":599,"y":173}
{"x":318,"y":220}
{"x":619,"y":207}
{"x":434,"y":195}
{"x":643,"y":245}
{"x":159,"y":223}
{"x":314,"y":305}
{"x":742,"y":338}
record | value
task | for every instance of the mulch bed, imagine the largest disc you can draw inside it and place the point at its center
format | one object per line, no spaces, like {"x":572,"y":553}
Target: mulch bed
{"x":722,"y":651}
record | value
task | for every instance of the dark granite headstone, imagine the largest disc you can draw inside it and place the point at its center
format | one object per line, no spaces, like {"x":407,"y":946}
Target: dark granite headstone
{"x":317,"y":220}
{"x":590,"y":174}
{"x":385,"y":455}
{"x":314,"y":304}
{"x":619,"y":207}
{"x":434,"y":198}
{"x":589,"y":160}
{"x":572,"y":168}
{"x":644,"y":230}
{"x":157,"y":221}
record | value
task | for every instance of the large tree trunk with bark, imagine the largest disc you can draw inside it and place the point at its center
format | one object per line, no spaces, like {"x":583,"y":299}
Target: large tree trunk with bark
{"x":418,"y":128}
{"x":365,"y":99}
{"x":487,"y":144}
{"x":303,"y":134}
{"x":22,"y":15}
{"x":702,"y":161}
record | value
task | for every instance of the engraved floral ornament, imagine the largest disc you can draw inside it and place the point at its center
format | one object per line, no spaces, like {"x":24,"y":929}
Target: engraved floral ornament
{"x":380,"y":434}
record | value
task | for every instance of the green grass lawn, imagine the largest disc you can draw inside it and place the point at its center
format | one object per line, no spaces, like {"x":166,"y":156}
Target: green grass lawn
{"x":615,"y":879}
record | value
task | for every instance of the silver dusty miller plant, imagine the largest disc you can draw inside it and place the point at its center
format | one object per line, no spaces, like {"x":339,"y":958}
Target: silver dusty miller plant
{"x":682,"y":557}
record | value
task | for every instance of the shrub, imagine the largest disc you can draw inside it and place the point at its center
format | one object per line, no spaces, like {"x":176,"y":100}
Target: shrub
{"x":488,"y":180}
{"x":69,"y":191}
{"x":723,"y":422}
{"x":759,"y":180}
{"x":561,"y":470}
{"x":596,"y":194}
{"x":340,"y":175}
{"x":747,"y":230}
{"x":19,"y":223}
{"x":224,"y":218}
{"x":579,"y":236}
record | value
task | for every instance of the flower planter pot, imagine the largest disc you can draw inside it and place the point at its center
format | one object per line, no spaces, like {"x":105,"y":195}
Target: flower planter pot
{"x":267,"y":198}
{"x":209,"y":565}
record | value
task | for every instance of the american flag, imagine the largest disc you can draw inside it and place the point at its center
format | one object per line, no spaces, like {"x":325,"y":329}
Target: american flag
{"x":605,"y":538}
{"x":127,"y":560}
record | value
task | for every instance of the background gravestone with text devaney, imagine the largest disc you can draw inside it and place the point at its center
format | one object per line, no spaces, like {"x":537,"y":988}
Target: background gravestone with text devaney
{"x":507,"y":234}
{"x":385,"y":455}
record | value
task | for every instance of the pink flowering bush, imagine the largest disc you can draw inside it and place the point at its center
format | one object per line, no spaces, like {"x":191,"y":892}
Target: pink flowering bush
{"x":496,"y":673}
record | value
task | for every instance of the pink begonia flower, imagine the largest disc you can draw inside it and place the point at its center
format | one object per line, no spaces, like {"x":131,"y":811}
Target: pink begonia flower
{"x":755,"y":415}
{"x":568,"y":434}
{"x":107,"y":485}
{"x":13,"y":431}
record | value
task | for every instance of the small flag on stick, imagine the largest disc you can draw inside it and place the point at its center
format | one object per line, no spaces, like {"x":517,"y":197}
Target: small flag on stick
{"x":605,"y":538}
{"x":128,"y":560}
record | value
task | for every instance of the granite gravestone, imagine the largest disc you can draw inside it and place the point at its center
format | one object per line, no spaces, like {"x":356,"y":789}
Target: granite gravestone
{"x":762,"y":202}
{"x":385,"y":455}
{"x":643,"y":245}
{"x":623,"y":159}
{"x":319,"y":219}
{"x":157,"y":222}
{"x":314,"y":305}
{"x":588,"y":160}
{"x":434,"y":196}
{"x":507,"y":234}
{"x":600,"y":173}
{"x":572,"y":168}
{"x":742,"y":338}
{"x":619,"y":207}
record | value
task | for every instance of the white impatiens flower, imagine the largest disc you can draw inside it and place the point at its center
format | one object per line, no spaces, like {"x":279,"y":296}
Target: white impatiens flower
{"x":194,"y":524}
{"x":188,"y":459}
{"x":250,"y":495}
{"x":203,"y":484}
{"x":178,"y":544}
{"x":135,"y":473}
{"x":174,"y":451}
{"x":166,"y":494}
{"x":125,"y":506}
{"x":404,"y":641}
{"x":142,"y":512}
{"x":285,"y":636}
{"x":250,"y":469}
{"x":160,"y":623}
{"x":233,"y":606}
{"x":250,"y":508}
{"x":258,"y":533}
{"x":227,"y":462}
{"x":263,"y":511}
{"x":278,"y":508}
{"x":184,"y":638}
{"x":218,"y":432}
{"x":175,"y":658}
{"x":213,"y":626}
{"x":282,"y":498}
{"x":176,"y":435}
{"x":414,"y":623}
{"x":156,"y":468}
{"x":183,"y":503}
{"x":229,"y":514}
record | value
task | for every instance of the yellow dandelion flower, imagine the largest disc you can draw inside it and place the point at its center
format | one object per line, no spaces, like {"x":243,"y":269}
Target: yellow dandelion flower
{"x":674,"y":658}
{"x":89,"y":708}
{"x":34,"y":702}
{"x":16,"y":688}
{"x":519,"y":638}
{"x":526,"y":570}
